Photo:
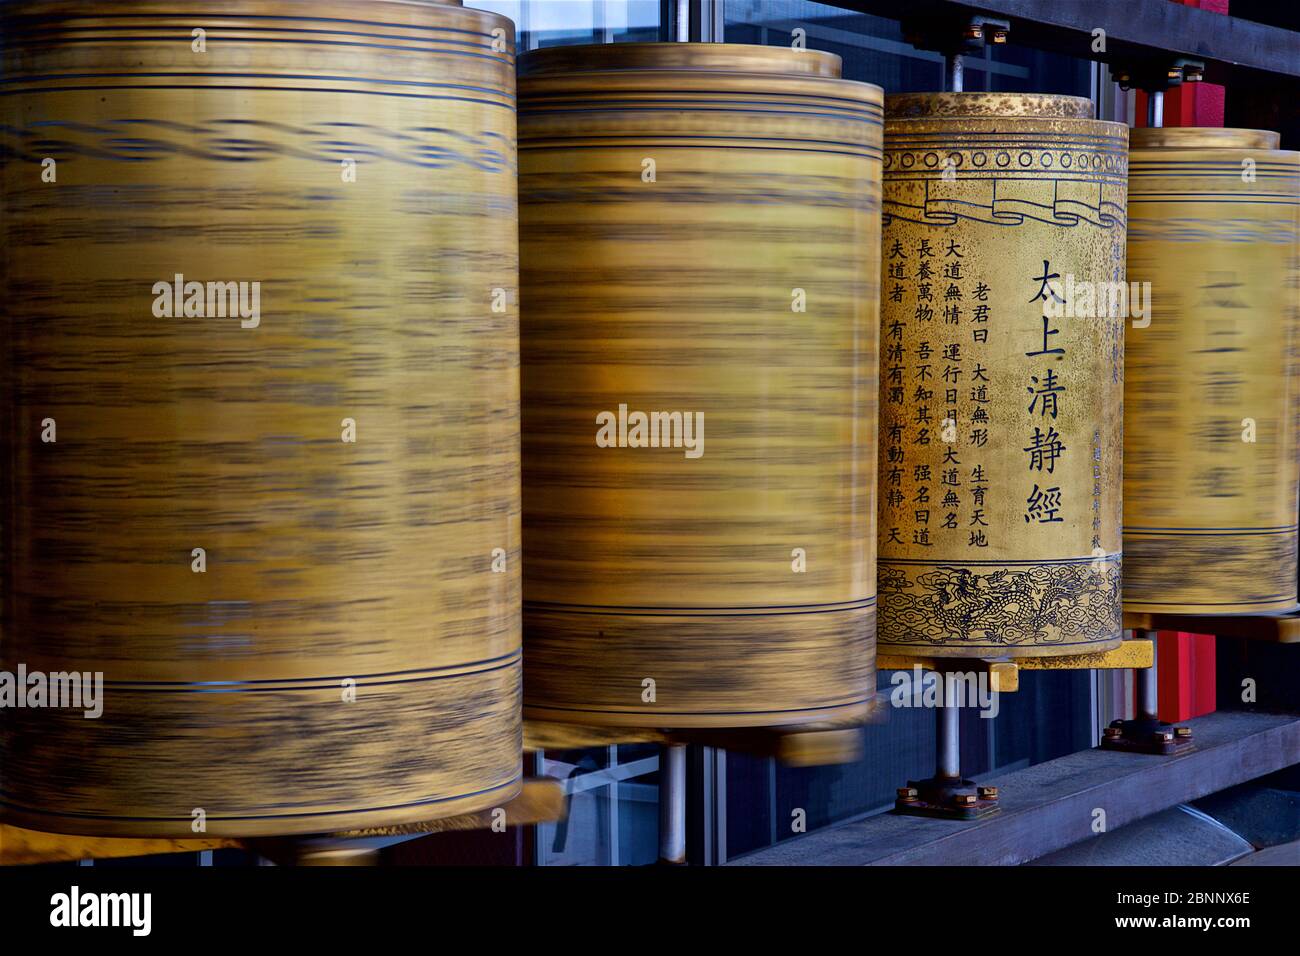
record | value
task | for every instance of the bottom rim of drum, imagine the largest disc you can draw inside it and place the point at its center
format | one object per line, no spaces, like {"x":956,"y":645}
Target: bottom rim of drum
{"x":649,"y":720}
{"x":324,"y":823}
{"x":711,"y":669}
{"x":923,"y":651}
{"x":1212,"y":610}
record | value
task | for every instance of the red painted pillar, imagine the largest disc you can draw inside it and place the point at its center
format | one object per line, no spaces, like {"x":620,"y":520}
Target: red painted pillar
{"x":1185,"y":673}
{"x":1196,"y":104}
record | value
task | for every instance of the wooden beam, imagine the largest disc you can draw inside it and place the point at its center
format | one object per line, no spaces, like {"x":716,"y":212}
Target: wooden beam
{"x":1284,"y":854}
{"x":1229,"y":46}
{"x":1053,"y":805}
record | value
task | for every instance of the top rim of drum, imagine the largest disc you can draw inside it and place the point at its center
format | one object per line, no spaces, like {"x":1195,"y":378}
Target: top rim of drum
{"x":904,"y":106}
{"x":1203,"y":137}
{"x":738,"y":58}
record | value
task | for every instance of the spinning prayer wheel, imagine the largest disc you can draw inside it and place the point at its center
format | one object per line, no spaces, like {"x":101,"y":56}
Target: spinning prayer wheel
{"x":699,"y":239}
{"x":262,"y":353}
{"x":1210,"y":411}
{"x":1001,"y":378}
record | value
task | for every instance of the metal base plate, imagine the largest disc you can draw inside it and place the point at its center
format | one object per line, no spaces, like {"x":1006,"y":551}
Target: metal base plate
{"x":947,"y":798}
{"x":1145,"y":736}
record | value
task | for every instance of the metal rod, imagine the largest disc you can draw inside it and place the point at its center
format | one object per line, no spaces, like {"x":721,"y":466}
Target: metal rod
{"x":682,"y":21}
{"x":947,"y":739}
{"x":955,"y":73}
{"x":672,"y":804}
{"x":713,"y":24}
{"x":1148,"y":687}
{"x":1156,"y":108}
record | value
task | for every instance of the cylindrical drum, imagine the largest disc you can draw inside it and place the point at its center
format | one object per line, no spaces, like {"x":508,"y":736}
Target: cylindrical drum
{"x":260,"y":266}
{"x":1210,"y":415}
{"x":699,"y":235}
{"x":1001,"y":376}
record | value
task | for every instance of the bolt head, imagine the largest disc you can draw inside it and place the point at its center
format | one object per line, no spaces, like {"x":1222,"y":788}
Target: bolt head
{"x":907,"y":793}
{"x":988,"y":793}
{"x":1185,"y":732}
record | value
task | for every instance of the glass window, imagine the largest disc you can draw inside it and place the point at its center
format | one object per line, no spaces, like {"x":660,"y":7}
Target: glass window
{"x":559,"y":22}
{"x":874,"y":51}
{"x":613,"y":807}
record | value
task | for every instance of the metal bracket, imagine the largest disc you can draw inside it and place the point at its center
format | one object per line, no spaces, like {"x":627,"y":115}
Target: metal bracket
{"x":1156,"y":75}
{"x":948,"y":798}
{"x":954,"y":37}
{"x":947,"y":794}
{"x":1146,"y":736}
{"x":1146,"y":733}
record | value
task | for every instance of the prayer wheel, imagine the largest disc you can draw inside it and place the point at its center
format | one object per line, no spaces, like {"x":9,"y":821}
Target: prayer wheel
{"x":260,"y":274}
{"x":699,"y":240}
{"x":1001,"y":377}
{"x":1210,"y":411}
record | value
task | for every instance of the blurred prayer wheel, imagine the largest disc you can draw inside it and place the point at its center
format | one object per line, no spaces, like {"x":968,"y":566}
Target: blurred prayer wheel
{"x":1001,"y":378}
{"x":260,"y":275}
{"x":699,"y":230}
{"x":1210,"y":411}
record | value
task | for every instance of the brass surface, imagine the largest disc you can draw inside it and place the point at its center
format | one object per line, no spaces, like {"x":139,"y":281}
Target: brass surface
{"x":1210,"y":418}
{"x":23,"y":847}
{"x":1000,"y":530}
{"x":326,"y":560}
{"x":1133,"y":654}
{"x":1003,"y":675}
{"x":677,"y":293}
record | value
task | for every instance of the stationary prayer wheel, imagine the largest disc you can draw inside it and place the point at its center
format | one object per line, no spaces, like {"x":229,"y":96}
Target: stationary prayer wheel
{"x":699,"y":239}
{"x":1210,"y":411}
{"x":260,"y":276}
{"x":1001,"y":376}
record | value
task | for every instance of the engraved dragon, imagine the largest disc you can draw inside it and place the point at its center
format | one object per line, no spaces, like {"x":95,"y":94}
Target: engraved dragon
{"x":1041,"y":604}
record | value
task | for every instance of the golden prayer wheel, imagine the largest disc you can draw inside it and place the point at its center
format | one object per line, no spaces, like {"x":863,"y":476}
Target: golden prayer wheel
{"x":699,"y":239}
{"x":260,"y":274}
{"x":1210,"y":411}
{"x":1001,"y":379}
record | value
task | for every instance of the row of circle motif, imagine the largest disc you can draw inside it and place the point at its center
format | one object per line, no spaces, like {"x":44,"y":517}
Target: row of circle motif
{"x":1006,"y":159}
